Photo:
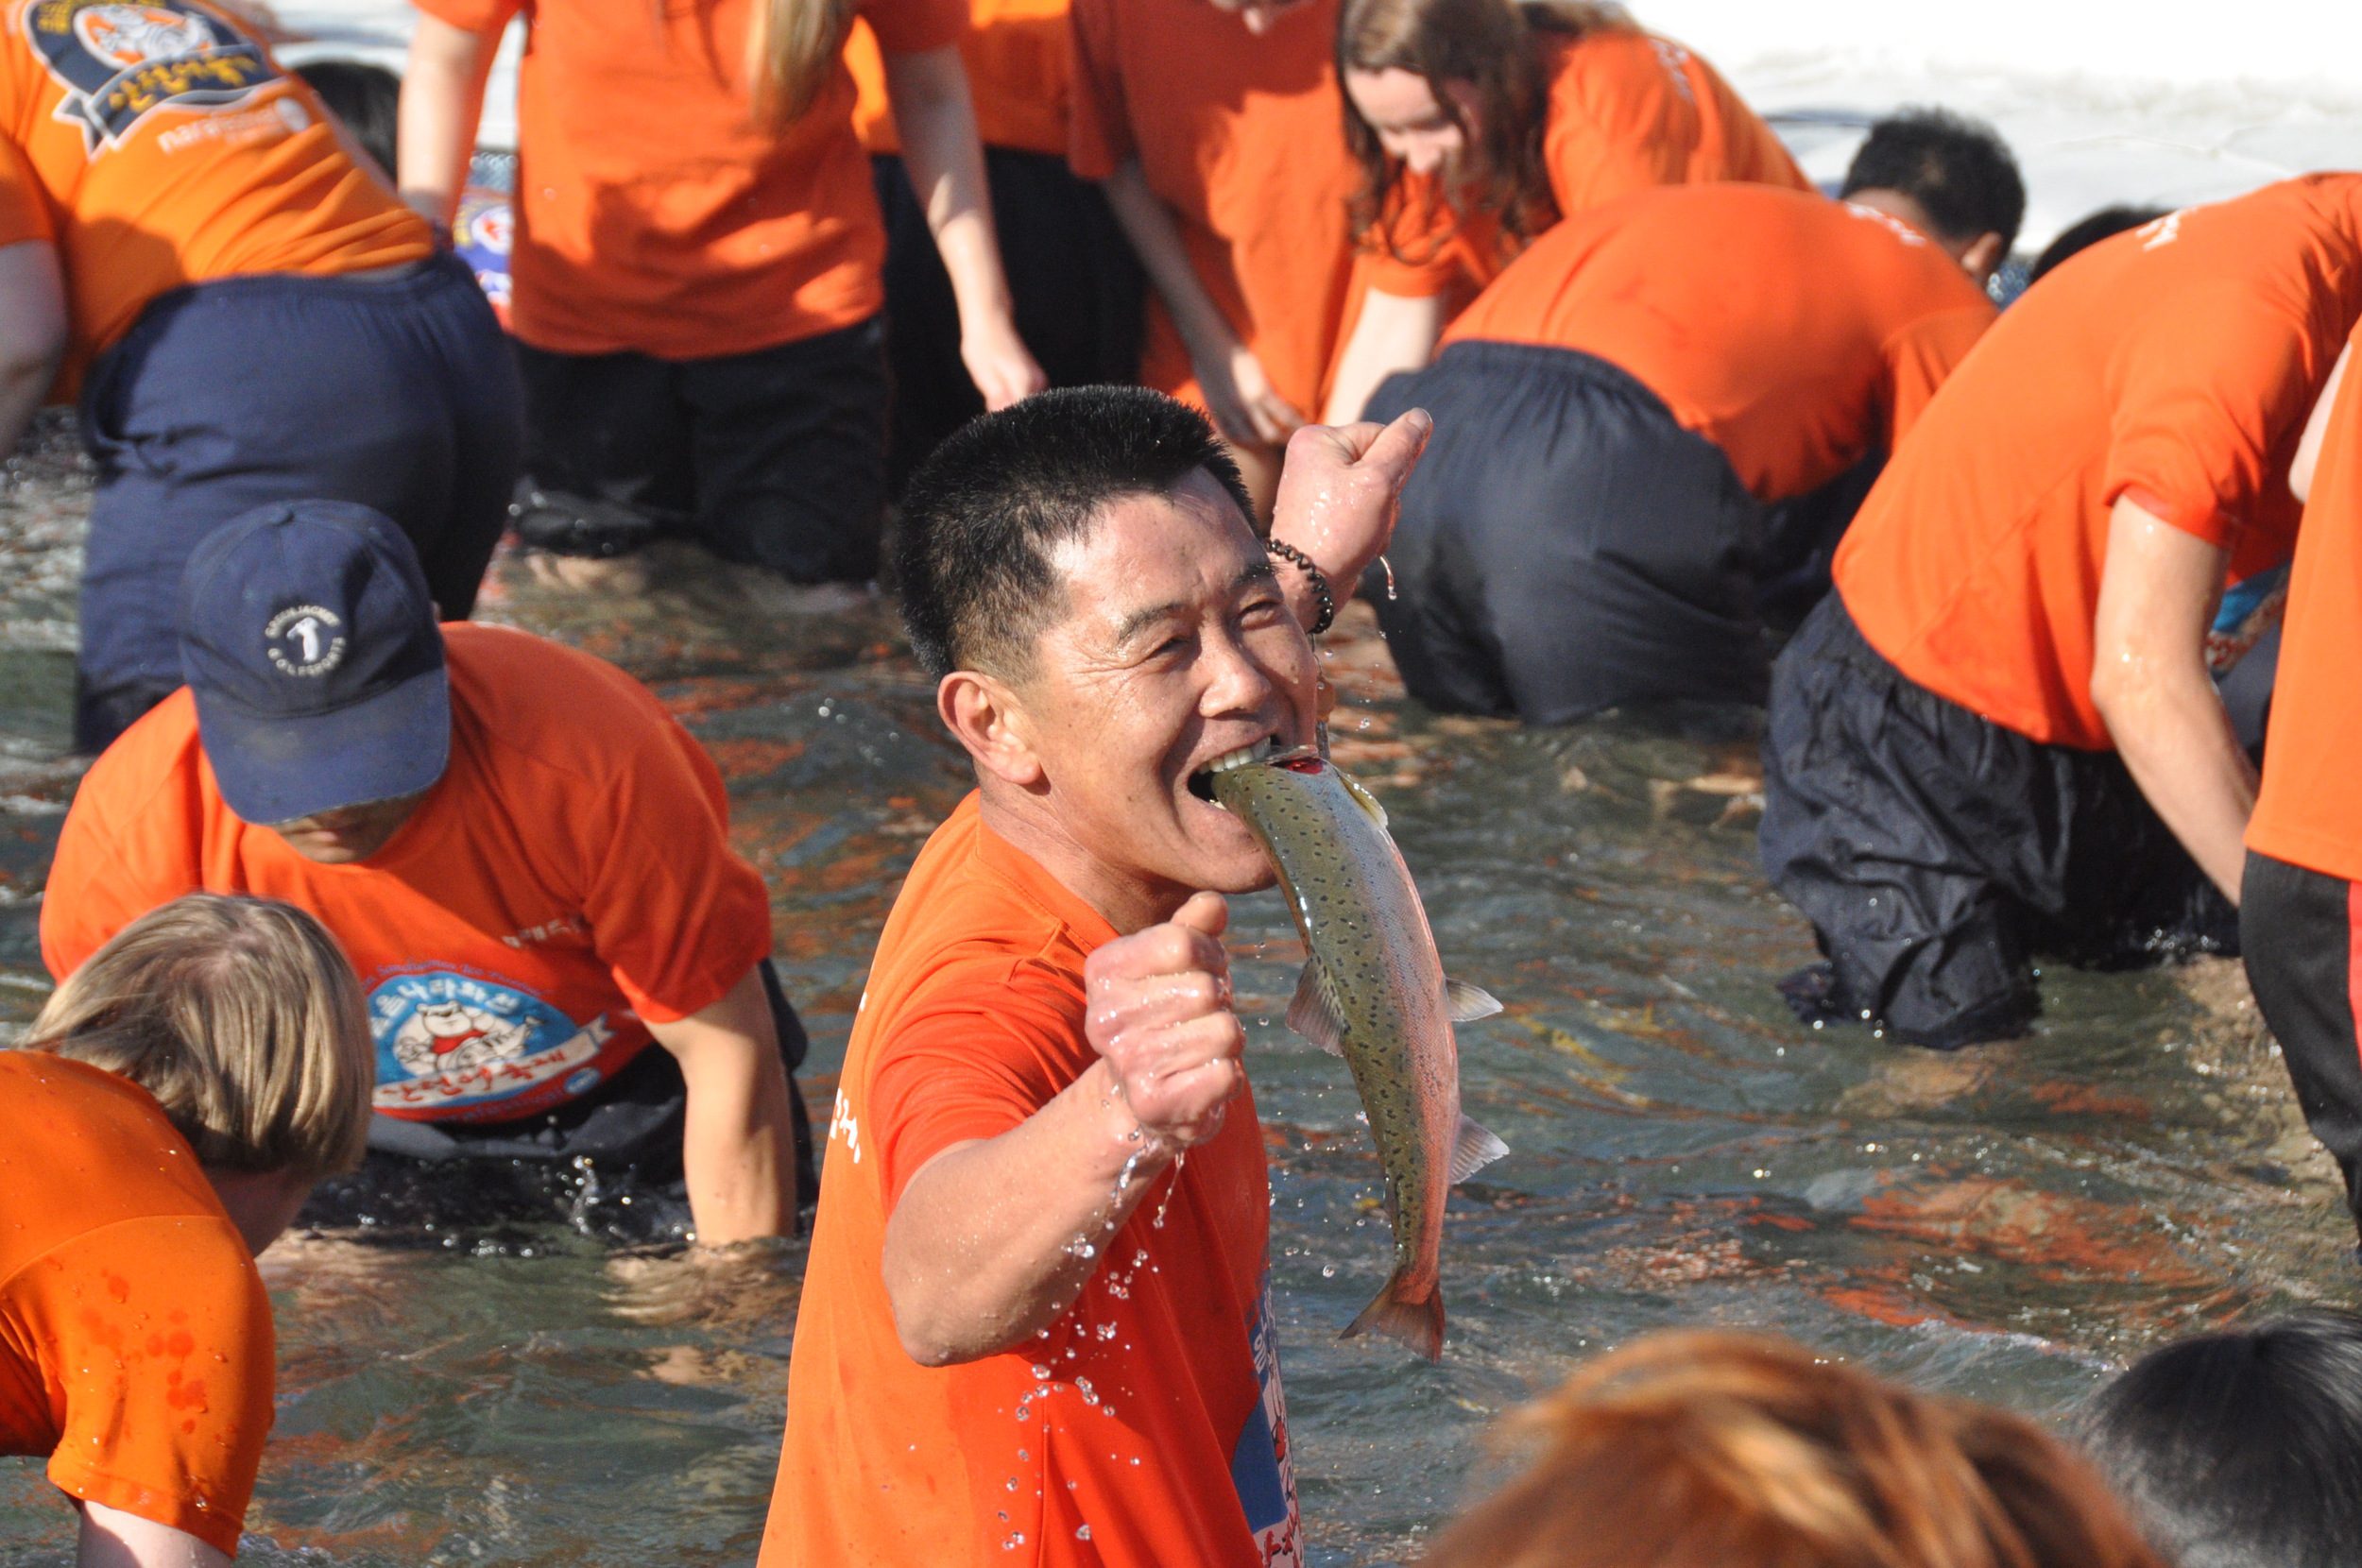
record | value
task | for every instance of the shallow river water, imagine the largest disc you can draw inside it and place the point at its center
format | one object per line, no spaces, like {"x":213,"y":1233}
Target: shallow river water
{"x":2009,"y":1223}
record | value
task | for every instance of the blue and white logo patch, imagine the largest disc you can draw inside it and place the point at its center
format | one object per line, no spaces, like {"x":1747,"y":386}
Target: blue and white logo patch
{"x":305,"y":640}
{"x":455,"y":1042}
{"x":119,"y":62}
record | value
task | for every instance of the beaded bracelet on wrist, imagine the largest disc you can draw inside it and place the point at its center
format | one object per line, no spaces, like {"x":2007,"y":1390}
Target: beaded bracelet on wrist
{"x":1319,"y":579}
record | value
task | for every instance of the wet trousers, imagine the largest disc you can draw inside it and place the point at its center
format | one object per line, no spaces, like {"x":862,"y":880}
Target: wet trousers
{"x":2301,"y":933}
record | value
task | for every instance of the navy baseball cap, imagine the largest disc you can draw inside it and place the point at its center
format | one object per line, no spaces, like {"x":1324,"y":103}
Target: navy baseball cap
{"x":308,"y":637}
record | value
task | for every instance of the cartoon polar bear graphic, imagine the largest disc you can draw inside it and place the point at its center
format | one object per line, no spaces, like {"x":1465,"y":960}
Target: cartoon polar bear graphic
{"x":445,"y":1037}
{"x":124,"y":36}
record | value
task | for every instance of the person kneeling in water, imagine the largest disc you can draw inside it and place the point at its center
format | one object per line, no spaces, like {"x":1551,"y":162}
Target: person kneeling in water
{"x":162,"y":1121}
{"x":526,"y":857}
{"x":1615,"y":414}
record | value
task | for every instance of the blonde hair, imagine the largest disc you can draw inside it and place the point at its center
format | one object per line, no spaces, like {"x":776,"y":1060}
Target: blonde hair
{"x":792,"y":48}
{"x":1706,"y":1450}
{"x":243,"y":1017}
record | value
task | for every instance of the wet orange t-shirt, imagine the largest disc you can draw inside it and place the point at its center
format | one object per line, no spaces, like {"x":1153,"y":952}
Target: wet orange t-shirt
{"x":1242,"y":138}
{"x":1792,"y":331}
{"x":135,"y":1337}
{"x":2309,"y":813}
{"x":2175,"y":364}
{"x":1627,"y":111}
{"x":1016,"y":54}
{"x":569,"y":881}
{"x":165,"y":146}
{"x":653,"y":213}
{"x":1145,"y":1427}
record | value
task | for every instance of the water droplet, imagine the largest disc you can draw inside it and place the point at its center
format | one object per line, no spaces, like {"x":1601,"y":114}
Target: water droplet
{"x":1082,"y":1532}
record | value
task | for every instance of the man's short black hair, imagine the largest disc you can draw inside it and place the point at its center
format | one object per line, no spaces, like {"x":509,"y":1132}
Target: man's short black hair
{"x":984,"y":512}
{"x":2243,"y":1448}
{"x":366,"y":98}
{"x":2089,"y":231}
{"x":1959,"y":170}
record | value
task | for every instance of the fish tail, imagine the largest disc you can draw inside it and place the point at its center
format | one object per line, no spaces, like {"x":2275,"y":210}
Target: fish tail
{"x":1405,"y":1312}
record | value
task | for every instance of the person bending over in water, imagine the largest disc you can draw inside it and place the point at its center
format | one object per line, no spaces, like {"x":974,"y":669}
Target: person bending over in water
{"x":1710,"y":1450}
{"x":1478,"y":124}
{"x":160,"y":1123}
{"x":2236,"y":1450}
{"x":1999,"y":736}
{"x":1037,"y":1314}
{"x":246,"y":311}
{"x":526,"y":857}
{"x":1616,"y":415}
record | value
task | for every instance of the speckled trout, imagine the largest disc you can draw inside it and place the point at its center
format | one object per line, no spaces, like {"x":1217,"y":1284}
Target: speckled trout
{"x":1372,"y":992}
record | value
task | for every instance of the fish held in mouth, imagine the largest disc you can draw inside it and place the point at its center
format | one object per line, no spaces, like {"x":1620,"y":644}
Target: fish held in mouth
{"x":1372,"y":992}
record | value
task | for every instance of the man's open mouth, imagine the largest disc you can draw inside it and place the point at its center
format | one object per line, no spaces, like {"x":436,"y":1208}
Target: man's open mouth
{"x":1202,"y":782}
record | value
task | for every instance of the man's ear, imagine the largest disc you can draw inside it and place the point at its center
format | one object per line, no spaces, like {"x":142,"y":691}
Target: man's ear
{"x":1982,"y":257}
{"x":989,"y":719}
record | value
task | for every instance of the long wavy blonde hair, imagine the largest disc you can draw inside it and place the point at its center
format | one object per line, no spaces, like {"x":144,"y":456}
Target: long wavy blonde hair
{"x":791,"y":49}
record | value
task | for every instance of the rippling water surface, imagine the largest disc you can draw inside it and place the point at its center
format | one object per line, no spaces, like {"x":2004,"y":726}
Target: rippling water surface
{"x":2009,"y":1223}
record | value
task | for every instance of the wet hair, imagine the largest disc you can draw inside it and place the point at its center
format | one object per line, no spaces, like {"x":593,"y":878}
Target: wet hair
{"x":1712,"y":1450}
{"x":366,"y":98}
{"x":984,"y":512}
{"x":242,"y":1017}
{"x":792,"y":50}
{"x":1959,"y":170}
{"x":1492,"y":46}
{"x":2089,"y":231}
{"x":2241,"y":1448}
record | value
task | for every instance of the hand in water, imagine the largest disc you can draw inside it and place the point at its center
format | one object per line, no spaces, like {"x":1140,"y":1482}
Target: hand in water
{"x":748,"y":1282}
{"x":1239,"y":396}
{"x":999,"y":364}
{"x":1160,"y":1013}
{"x":1340,"y":489}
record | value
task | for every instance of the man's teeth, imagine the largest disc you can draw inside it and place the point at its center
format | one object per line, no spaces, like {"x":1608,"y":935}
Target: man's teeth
{"x":1240,"y":758}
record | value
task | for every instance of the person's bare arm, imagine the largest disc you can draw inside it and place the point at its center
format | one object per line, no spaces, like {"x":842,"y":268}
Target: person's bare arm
{"x":1239,"y":396}
{"x":1338,"y":497}
{"x":738,"y":1149}
{"x":442,"y":101}
{"x":113,"y":1539}
{"x":1394,"y":333}
{"x":936,"y":122}
{"x":2309,"y":447}
{"x":2157,"y":598}
{"x":994,"y":1237}
{"x":32,"y":335}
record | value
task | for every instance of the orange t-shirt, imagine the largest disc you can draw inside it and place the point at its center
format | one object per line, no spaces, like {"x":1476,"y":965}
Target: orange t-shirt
{"x":165,"y":147}
{"x":1627,"y":110}
{"x":1242,"y":137}
{"x":1792,"y":331}
{"x":569,"y":880}
{"x":1144,"y":1429}
{"x":2175,"y":364}
{"x":2309,"y":813}
{"x":653,"y":213}
{"x":135,"y":1337}
{"x":1015,"y":51}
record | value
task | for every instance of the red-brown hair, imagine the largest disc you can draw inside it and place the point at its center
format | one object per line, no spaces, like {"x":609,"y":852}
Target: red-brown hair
{"x":1498,"y":48}
{"x":1708,"y":1450}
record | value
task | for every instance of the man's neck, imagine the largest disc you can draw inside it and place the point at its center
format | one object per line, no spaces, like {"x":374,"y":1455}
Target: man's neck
{"x":1029,"y":826}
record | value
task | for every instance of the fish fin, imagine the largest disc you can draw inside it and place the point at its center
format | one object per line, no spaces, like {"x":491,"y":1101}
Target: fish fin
{"x":1473,"y":1150}
{"x":1469,"y":1002}
{"x":1363,"y":798}
{"x":1312,"y":1012}
{"x":1414,"y":1322}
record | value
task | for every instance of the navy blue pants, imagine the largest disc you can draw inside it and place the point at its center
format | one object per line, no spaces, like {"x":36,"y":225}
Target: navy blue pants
{"x":399,"y":394}
{"x":1565,"y":546}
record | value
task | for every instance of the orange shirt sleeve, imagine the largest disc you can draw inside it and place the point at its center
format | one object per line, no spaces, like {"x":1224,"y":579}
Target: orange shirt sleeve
{"x":22,"y":214}
{"x":975,"y":1066}
{"x":908,"y":26}
{"x":1411,"y":254}
{"x":472,"y":16}
{"x":2207,"y":405}
{"x":1612,"y":133}
{"x":675,"y":912}
{"x":1098,"y":134}
{"x":163,"y":1356}
{"x":1920,"y":357}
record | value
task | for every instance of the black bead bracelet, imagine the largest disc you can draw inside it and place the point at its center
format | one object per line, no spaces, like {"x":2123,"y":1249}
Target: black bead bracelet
{"x":1287,"y":552}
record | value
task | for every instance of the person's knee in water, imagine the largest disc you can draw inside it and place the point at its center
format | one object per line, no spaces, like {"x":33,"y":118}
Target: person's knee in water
{"x":2237,"y":1449}
{"x":164,"y":1117}
{"x":525,"y":855}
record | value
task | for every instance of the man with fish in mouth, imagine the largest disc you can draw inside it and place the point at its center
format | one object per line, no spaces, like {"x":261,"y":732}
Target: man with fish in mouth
{"x":1035,"y":1325}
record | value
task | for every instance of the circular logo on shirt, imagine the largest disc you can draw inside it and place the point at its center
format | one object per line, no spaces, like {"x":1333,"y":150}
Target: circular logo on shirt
{"x":456,"y":1043}
{"x":120,"y":63}
{"x":305,"y":640}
